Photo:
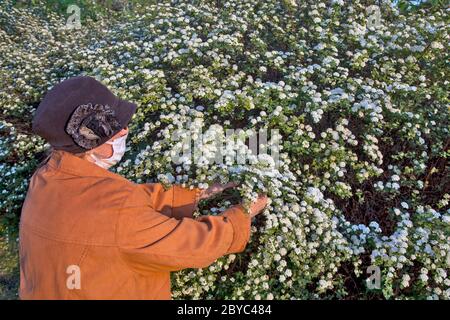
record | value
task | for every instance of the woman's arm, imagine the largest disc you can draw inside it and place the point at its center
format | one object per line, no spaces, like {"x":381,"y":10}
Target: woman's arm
{"x":179,"y":202}
{"x":176,"y":202}
{"x":152,"y":242}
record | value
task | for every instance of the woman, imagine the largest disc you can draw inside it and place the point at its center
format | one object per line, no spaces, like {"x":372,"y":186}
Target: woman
{"x":88,"y":233}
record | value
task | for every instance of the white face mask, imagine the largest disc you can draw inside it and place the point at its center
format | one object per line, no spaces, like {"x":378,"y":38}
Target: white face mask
{"x":119,"y":146}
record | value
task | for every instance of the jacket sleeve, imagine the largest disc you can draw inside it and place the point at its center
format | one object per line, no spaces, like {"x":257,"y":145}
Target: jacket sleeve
{"x":150,"y":241}
{"x":177,"y":202}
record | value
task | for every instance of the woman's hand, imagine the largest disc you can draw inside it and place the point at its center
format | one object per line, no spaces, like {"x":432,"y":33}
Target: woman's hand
{"x":215,"y":189}
{"x":259,"y":205}
{"x":255,"y":208}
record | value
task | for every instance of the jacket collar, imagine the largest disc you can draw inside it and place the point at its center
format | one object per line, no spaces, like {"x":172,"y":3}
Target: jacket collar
{"x":67,"y":162}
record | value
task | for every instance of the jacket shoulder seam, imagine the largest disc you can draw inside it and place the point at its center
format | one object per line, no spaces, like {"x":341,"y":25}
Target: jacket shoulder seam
{"x":116,"y":244}
{"x":119,"y":213}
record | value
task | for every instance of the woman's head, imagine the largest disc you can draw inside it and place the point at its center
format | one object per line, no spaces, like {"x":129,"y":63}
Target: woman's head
{"x":82,"y":116}
{"x":99,"y":154}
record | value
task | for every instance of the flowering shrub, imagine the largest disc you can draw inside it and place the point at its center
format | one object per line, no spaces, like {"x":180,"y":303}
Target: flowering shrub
{"x":358,"y":103}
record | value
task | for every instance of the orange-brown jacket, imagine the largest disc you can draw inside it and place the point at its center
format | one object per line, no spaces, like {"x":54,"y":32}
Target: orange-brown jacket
{"x":89,"y":233}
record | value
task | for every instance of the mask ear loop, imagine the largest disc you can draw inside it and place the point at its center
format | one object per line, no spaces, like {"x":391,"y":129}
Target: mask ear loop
{"x":98,"y":158}
{"x":111,"y":143}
